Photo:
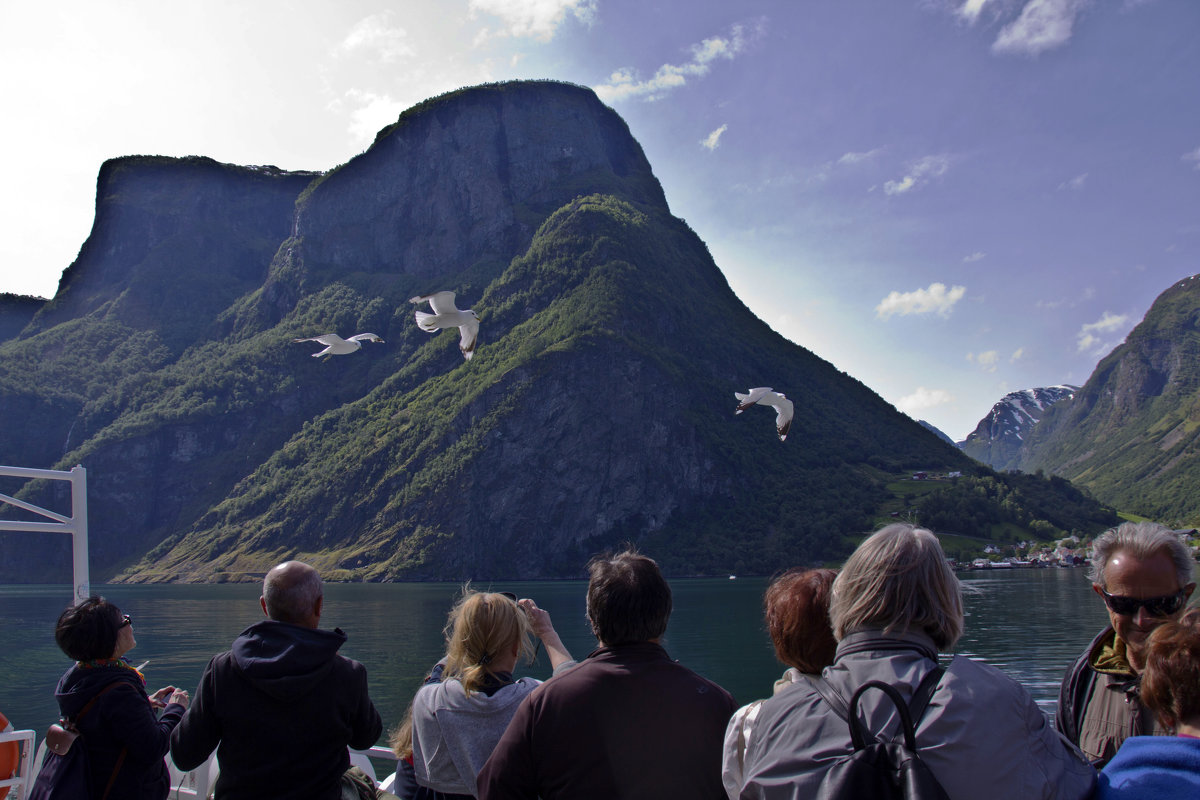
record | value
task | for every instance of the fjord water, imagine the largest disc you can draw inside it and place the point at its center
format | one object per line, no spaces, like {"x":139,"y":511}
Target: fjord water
{"x":1029,"y":623}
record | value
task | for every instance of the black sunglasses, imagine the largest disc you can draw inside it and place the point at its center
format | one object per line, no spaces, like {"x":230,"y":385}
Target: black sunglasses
{"x":1163,"y":606}
{"x":125,"y":620}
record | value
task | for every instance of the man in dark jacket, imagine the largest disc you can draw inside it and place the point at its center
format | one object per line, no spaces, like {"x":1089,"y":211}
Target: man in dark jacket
{"x":1143,"y":573}
{"x":281,"y":706}
{"x":627,"y":722}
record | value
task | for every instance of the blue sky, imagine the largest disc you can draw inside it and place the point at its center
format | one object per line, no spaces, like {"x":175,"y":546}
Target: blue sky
{"x":947,"y":199}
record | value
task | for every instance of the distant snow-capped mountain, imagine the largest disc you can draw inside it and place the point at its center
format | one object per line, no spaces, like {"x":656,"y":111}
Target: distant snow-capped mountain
{"x":997,"y":438}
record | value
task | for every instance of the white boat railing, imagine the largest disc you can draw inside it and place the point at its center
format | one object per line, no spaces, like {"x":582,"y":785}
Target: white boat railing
{"x":18,"y":784}
{"x":76,"y":524}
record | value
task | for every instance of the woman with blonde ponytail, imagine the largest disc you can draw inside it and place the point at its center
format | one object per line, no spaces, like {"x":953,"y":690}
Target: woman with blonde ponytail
{"x":464,"y":707}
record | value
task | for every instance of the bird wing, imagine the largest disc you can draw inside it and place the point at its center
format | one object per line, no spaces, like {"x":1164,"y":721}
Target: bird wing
{"x":443,"y":303}
{"x":469,"y":331}
{"x":750,"y":398}
{"x":365,"y":337}
{"x":783,"y":416}
{"x":440,"y":302}
{"x":327,"y":339}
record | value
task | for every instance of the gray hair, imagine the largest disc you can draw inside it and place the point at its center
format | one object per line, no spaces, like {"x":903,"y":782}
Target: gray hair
{"x":898,"y":580}
{"x":290,"y":591}
{"x":1141,"y":540}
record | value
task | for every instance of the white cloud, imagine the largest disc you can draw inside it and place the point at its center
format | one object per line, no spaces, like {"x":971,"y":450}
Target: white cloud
{"x":1108,"y":324}
{"x":370,"y":113}
{"x":376,"y":34}
{"x":970,"y":10}
{"x":1016,"y":356}
{"x":986,"y":360}
{"x":536,"y":19}
{"x":1042,"y":25}
{"x":711,"y":141}
{"x":922,"y":301}
{"x":922,"y":399}
{"x":624,"y":83}
{"x":971,"y":259}
{"x":1075,"y":184}
{"x":919,"y":173}
{"x":858,"y":158}
{"x":1194,"y":157}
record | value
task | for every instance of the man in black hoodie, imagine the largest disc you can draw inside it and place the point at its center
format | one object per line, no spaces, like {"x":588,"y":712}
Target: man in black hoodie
{"x":281,"y":706}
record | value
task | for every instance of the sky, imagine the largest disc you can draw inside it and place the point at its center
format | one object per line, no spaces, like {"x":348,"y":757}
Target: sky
{"x":948,"y":200}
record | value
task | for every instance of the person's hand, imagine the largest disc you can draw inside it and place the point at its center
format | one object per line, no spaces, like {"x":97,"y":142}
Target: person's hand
{"x":157,"y":699}
{"x":539,"y":619}
{"x":179,"y":696}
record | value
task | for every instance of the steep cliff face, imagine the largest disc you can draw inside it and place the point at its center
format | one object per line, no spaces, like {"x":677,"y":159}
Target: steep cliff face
{"x":997,"y":439}
{"x":598,"y":406}
{"x":1132,"y":433}
{"x":174,"y":242}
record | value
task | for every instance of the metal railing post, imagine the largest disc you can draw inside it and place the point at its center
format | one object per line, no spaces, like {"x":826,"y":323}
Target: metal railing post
{"x":76,"y":524}
{"x":79,"y":534}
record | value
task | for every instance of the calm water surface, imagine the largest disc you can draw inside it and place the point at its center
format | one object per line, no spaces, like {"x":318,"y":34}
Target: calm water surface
{"x":1029,"y":623}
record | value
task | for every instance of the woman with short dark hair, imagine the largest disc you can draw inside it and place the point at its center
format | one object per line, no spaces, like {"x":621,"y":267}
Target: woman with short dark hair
{"x":125,"y":737}
{"x":1163,"y":767}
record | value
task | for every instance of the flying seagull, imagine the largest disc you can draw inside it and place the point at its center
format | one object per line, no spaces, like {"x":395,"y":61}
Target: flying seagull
{"x":765,"y":396}
{"x":446,"y":315}
{"x":337,"y":346}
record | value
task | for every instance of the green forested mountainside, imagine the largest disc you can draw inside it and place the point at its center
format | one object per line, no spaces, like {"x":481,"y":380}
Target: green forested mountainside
{"x":598,"y":408}
{"x":1131,"y":435}
{"x":1014,"y":502}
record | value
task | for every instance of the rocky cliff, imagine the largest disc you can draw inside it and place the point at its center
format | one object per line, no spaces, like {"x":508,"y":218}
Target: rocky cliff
{"x":597,"y":409}
{"x":997,"y":439}
{"x":1131,"y":434}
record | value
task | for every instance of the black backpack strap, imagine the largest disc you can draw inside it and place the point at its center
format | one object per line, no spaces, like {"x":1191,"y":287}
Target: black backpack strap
{"x":910,"y":713}
{"x":112,"y":778}
{"x":831,"y":697}
{"x":924,"y":693}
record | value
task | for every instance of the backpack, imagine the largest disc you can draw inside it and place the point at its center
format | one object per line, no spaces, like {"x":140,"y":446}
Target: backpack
{"x":65,"y":774}
{"x":877,"y":769}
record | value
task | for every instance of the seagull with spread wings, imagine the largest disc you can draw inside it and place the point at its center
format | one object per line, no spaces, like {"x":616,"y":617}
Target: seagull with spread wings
{"x":337,"y":346}
{"x":447,"y":315}
{"x":765,"y":396}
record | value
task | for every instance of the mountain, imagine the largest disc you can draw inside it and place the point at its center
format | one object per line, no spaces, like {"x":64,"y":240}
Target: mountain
{"x":16,"y":311}
{"x":929,"y":426}
{"x":998,"y":437}
{"x":597,"y":409}
{"x":1131,"y":434}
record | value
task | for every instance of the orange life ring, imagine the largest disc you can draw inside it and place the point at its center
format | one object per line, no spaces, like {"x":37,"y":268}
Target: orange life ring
{"x":10,"y":755}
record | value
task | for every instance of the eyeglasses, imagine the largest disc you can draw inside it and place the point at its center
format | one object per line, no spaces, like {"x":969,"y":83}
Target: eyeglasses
{"x":1163,"y":606}
{"x":509,"y":595}
{"x":125,"y":620}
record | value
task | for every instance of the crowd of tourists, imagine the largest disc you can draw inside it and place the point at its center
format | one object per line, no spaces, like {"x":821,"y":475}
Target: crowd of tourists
{"x":866,"y":707}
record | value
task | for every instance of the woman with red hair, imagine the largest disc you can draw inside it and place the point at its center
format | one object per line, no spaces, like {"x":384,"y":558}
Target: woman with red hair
{"x":796,"y":607}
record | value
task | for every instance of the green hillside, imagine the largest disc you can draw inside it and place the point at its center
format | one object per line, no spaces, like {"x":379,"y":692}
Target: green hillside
{"x":1131,"y":435}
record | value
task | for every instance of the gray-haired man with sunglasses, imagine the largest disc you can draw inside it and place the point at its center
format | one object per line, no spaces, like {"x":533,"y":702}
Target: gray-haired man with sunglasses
{"x":1143,"y":573}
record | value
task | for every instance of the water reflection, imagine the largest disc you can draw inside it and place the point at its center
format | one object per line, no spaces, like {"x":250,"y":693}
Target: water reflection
{"x":1030,"y":623}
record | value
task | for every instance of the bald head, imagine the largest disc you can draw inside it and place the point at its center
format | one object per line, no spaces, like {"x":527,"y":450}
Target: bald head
{"x":292,"y":593}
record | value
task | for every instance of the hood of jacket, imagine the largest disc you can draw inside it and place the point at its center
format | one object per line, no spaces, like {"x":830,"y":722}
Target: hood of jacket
{"x":79,"y":684}
{"x":284,"y":660}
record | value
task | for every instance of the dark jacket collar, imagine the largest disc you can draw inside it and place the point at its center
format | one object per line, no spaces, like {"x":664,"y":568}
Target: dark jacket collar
{"x":639,"y":651}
